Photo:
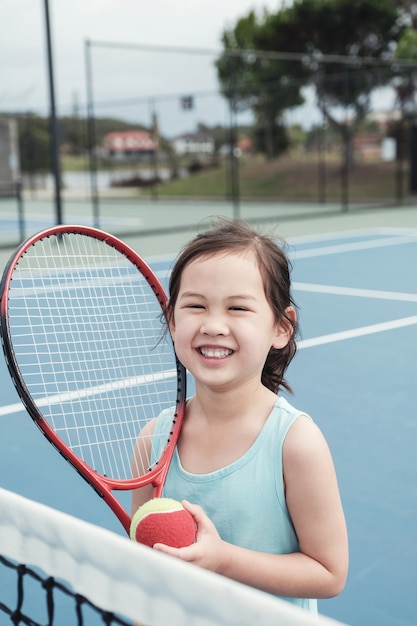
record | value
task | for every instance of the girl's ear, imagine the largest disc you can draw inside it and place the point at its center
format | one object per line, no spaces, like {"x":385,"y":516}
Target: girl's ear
{"x":284,"y":328}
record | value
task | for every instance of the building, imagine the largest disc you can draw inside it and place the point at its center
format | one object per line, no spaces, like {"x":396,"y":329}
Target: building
{"x":129,"y":145}
{"x":368,"y":145}
{"x":193,"y":144}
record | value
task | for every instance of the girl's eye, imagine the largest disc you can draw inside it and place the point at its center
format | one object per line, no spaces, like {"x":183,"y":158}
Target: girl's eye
{"x":238,"y":308}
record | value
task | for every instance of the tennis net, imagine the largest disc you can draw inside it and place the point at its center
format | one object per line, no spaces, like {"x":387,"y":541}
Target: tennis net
{"x":56,"y":570}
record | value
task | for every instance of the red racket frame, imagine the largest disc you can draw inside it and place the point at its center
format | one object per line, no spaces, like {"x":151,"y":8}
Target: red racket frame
{"x":101,"y":484}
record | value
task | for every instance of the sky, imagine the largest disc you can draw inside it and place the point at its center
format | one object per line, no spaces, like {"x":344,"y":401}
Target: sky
{"x":133,"y":83}
{"x":145,"y":56}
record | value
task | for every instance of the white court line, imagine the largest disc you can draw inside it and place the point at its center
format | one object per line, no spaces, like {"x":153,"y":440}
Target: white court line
{"x":304,"y":343}
{"x":391,"y":237}
{"x":388,"y":232}
{"x":394,"y":237}
{"x":368,"y":293}
{"x":357,"y":332}
{"x":353,"y":291}
{"x":8,"y":409}
{"x":353,"y":246}
{"x":78,"y":394}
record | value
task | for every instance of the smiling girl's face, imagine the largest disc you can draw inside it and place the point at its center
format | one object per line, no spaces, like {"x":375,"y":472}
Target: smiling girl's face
{"x":223,"y":326}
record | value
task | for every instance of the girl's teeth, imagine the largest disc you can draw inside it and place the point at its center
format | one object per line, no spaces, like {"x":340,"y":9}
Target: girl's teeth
{"x":215,"y":354}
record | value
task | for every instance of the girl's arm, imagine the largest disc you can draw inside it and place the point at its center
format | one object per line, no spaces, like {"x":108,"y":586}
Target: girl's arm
{"x":319,"y":570}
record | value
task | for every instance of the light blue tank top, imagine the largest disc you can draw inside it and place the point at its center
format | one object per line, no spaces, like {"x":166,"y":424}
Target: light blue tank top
{"x":245,"y":500}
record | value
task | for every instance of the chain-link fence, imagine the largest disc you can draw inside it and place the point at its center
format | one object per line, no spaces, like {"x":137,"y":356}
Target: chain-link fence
{"x":336,"y":134}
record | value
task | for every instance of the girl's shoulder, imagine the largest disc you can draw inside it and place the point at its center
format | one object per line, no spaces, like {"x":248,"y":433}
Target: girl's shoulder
{"x":295,"y":427}
{"x":285,"y":414}
{"x":284,"y":407}
{"x":304,"y":439}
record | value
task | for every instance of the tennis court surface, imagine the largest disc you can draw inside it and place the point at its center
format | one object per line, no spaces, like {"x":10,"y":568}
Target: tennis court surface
{"x":354,"y":373}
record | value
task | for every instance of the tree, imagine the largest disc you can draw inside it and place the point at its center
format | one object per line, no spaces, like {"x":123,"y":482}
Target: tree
{"x":364,"y":31}
{"x":341,"y":47}
{"x":349,"y":43}
{"x":405,"y":82}
{"x":408,"y":12}
{"x":405,"y":85}
{"x":34,"y":143}
{"x":266,"y":85}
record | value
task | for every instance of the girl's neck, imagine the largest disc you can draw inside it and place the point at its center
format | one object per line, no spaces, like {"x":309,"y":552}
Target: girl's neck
{"x":220,"y":428}
{"x":234,"y":404}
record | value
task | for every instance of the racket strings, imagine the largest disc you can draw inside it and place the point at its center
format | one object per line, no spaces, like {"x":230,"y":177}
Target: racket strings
{"x":91,"y":348}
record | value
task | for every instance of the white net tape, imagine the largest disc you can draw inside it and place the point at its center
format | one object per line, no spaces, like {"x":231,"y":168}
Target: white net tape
{"x":132,"y":580}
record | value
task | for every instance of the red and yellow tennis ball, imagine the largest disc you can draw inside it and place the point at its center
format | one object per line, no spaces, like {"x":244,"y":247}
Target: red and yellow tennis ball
{"x":163,"y":520}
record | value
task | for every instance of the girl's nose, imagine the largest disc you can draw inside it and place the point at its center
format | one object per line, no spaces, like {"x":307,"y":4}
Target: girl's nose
{"x":214,"y":325}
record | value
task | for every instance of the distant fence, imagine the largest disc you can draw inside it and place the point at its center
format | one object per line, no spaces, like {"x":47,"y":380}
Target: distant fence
{"x":353,"y":140}
{"x":12,"y":218}
{"x":351,"y":145}
{"x":145,"y":219}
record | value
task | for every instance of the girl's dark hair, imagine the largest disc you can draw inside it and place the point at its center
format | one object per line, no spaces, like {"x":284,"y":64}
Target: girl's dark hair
{"x":275,"y":268}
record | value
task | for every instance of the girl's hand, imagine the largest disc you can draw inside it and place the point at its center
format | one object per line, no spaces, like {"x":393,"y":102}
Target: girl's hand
{"x":209,"y":551}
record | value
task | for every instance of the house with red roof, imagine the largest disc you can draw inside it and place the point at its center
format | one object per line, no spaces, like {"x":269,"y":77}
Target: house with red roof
{"x":129,"y":144}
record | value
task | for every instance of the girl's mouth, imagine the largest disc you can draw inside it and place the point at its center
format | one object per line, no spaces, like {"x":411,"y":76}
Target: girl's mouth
{"x":215,"y":353}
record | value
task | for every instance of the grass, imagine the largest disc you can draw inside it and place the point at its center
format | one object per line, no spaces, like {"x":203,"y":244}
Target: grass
{"x":294,"y":179}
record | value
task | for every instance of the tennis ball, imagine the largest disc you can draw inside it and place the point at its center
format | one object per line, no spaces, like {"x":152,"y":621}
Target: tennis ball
{"x":163,"y":520}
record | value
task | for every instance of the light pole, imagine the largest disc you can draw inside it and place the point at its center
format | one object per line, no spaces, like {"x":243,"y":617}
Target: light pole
{"x":53,"y":122}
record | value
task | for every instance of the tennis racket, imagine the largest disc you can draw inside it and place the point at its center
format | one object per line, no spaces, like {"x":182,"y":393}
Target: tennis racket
{"x":84,"y":336}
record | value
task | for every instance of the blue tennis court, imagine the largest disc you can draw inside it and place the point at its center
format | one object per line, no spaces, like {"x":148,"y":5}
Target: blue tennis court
{"x":354,"y":373}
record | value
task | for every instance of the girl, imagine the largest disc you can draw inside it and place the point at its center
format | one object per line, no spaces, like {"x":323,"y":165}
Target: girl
{"x":257,"y":471}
